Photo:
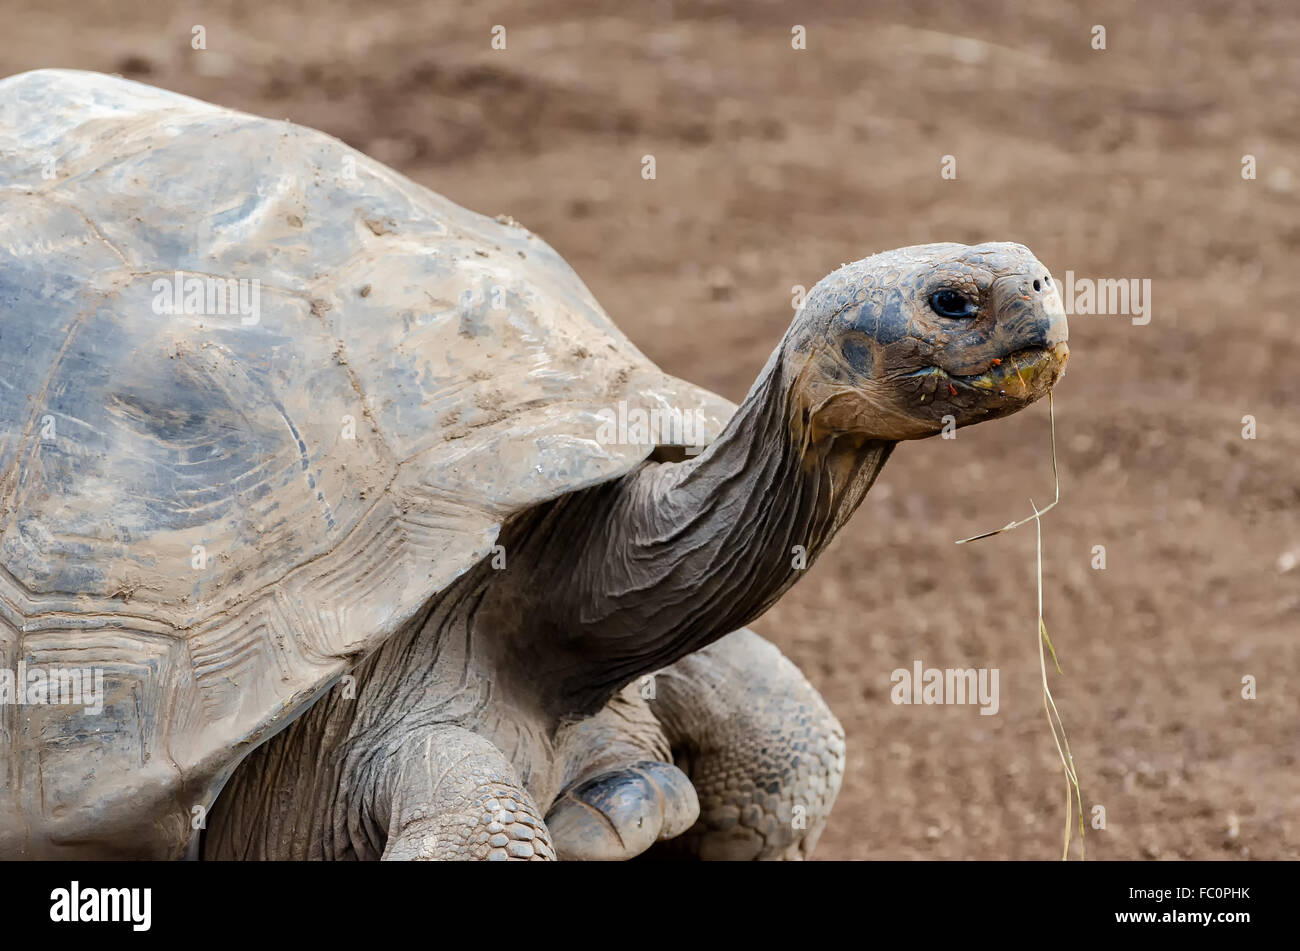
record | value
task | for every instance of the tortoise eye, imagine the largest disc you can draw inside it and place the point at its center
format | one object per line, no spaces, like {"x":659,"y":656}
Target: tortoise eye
{"x":948,"y":303}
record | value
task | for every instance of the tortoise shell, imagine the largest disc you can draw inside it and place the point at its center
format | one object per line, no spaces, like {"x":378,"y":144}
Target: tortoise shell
{"x":261,"y":399}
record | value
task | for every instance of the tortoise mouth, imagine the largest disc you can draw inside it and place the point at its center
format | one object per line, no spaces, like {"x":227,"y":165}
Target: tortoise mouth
{"x":1022,"y":372}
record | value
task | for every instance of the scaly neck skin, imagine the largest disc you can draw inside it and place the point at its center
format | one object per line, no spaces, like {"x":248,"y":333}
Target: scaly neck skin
{"x":635,"y":574}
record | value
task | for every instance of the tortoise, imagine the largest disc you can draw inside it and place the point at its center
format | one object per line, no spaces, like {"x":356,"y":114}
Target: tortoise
{"x":319,"y":472}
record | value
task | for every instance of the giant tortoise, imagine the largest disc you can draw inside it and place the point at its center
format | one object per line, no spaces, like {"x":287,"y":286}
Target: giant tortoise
{"x":381,"y":539}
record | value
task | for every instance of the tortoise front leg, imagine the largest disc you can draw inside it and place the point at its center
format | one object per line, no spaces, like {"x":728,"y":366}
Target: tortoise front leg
{"x":438,"y":792}
{"x":764,"y":752}
{"x":620,"y":794}
{"x":452,"y":795}
{"x":736,"y":756}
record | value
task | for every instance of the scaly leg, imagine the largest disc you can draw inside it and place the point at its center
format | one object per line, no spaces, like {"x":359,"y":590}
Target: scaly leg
{"x":764,"y":752}
{"x":453,"y":795}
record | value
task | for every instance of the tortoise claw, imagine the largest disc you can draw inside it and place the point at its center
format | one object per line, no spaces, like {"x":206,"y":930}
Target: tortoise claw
{"x":620,"y":813}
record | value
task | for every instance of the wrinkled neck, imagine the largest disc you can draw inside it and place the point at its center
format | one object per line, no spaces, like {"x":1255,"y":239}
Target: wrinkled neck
{"x":676,"y":555}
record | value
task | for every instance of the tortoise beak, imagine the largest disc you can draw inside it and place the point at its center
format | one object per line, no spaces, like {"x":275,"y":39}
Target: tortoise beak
{"x":1031,"y":333}
{"x":1032,"y":320}
{"x":1025,"y":375}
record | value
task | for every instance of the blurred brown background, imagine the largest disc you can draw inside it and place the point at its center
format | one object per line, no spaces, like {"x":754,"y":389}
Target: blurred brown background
{"x":774,"y":166}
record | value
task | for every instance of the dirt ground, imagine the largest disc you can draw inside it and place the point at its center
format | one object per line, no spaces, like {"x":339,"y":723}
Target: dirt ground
{"x":775,"y":165}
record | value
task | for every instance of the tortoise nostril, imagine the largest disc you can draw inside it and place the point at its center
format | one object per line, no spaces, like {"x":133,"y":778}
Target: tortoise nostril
{"x":1037,"y":286}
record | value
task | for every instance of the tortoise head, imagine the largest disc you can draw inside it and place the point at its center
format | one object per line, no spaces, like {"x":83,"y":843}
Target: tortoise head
{"x":899,"y":344}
